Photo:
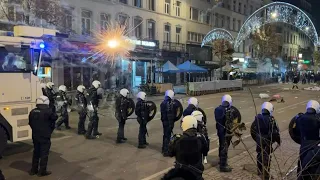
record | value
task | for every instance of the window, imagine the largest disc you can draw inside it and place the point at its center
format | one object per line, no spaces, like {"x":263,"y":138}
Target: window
{"x":178,"y":5}
{"x":202,"y":16}
{"x":245,"y":9}
{"x":151,"y":5}
{"x":222,"y":21}
{"x":67,"y":23}
{"x":239,"y":25}
{"x":194,"y":14}
{"x":178,"y":31}
{"x":234,"y":6}
{"x":208,"y":18}
{"x":167,"y":7}
{"x":151,"y":29}
{"x":123,"y":20}
{"x":124,"y":1}
{"x":104,"y":20}
{"x":217,"y":20}
{"x":17,"y":61}
{"x":86,"y":22}
{"x":137,"y":3}
{"x":228,"y":22}
{"x":189,"y":36}
{"x":239,"y":8}
{"x":167,"y":29}
{"x":137,"y":24}
{"x":234,"y":24}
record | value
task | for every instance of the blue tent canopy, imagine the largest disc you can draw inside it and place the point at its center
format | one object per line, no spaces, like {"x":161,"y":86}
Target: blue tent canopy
{"x":190,"y":67}
{"x":168,"y":67}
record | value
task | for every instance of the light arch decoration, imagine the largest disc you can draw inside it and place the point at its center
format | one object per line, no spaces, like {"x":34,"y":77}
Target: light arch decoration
{"x":277,"y":12}
{"x":216,"y":34}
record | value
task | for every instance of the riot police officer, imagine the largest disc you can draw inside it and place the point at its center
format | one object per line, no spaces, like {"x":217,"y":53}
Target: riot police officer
{"x":189,"y":148}
{"x":122,"y":114}
{"x":49,"y":92}
{"x":202,"y":129}
{"x":142,"y":112}
{"x":93,"y":105}
{"x":192,"y":106}
{"x":267,"y":133}
{"x":309,"y":125}
{"x":310,"y":168}
{"x":224,"y":115}
{"x":42,"y":122}
{"x":168,"y":114}
{"x":63,"y":103}
{"x":82,"y":108}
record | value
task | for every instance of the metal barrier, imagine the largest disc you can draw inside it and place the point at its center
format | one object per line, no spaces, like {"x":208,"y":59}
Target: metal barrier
{"x":210,"y":87}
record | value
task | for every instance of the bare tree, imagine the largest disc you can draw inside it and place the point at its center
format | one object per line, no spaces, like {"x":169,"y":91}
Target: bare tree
{"x":223,"y":50}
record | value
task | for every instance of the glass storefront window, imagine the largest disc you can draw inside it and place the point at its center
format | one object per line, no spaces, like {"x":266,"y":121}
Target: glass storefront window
{"x":86,"y":77}
{"x":77,"y":79}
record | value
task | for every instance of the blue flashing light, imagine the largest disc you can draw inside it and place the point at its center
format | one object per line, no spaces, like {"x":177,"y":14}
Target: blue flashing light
{"x":42,"y":45}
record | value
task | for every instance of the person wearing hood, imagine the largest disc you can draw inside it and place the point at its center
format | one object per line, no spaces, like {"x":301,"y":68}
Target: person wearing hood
{"x":142,"y":112}
{"x":192,"y":106}
{"x":189,"y":148}
{"x":122,"y":114}
{"x":267,"y":132}
{"x":42,"y":122}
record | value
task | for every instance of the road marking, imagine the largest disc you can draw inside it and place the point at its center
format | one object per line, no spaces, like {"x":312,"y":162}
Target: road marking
{"x":294,"y":107}
{"x":280,"y":112}
{"x":57,"y":139}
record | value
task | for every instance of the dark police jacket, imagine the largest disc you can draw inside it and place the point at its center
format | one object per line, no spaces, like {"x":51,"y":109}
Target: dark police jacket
{"x":42,"y":122}
{"x":189,"y":110}
{"x":50,"y":94}
{"x":189,"y":148}
{"x":309,"y":125}
{"x":142,"y":111}
{"x":266,"y":129}
{"x":81,"y":101}
{"x":121,"y":108}
{"x":94,"y":97}
{"x":220,"y":114}
{"x":62,"y":96}
{"x":168,"y":111}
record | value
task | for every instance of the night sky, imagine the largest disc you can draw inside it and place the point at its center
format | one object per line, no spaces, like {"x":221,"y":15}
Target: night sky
{"x":315,"y":4}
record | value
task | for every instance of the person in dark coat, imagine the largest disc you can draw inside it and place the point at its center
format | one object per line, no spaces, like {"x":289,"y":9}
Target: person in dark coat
{"x":82,"y":108}
{"x":310,"y":168}
{"x":49,"y":92}
{"x":42,"y":122}
{"x":122,"y":114}
{"x":63,"y":103}
{"x":295,"y":82}
{"x":192,"y":106}
{"x":202,"y":129}
{"x":142,"y":112}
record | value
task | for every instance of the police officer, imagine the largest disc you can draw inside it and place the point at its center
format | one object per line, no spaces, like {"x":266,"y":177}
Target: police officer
{"x":267,"y":132}
{"x":142,"y":112}
{"x":42,"y":122}
{"x":49,"y":92}
{"x":168,"y":114}
{"x":310,"y":168}
{"x":202,"y":129}
{"x":192,"y":106}
{"x":94,"y":97}
{"x":189,"y":148}
{"x":309,"y":125}
{"x":224,"y":115}
{"x":82,"y":108}
{"x":63,"y":103}
{"x":122,"y":114}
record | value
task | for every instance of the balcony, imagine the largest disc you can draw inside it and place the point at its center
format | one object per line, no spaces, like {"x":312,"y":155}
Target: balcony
{"x":174,"y":47}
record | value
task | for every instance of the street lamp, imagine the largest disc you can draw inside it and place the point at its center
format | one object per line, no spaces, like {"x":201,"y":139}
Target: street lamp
{"x":274,"y":15}
{"x":307,"y":28}
{"x":113,"y":44}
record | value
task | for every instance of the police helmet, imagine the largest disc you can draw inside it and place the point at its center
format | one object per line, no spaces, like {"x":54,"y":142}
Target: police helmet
{"x":226,"y":100}
{"x":169,"y":93}
{"x":50,"y":85}
{"x":194,"y":101}
{"x":198,"y":115}
{"x":63,"y":88}
{"x":96,"y":84}
{"x":313,"y":105}
{"x":189,"y":122}
{"x":267,"y":106}
{"x":141,"y":95}
{"x":81,"y":88}
{"x":124,"y":92}
{"x":43,"y":100}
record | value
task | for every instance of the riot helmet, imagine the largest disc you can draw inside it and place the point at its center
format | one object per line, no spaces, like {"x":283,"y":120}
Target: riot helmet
{"x":189,"y":122}
{"x":96,"y":84}
{"x":141,"y":95}
{"x":43,"y":100}
{"x":226,"y":100}
{"x":124,"y":92}
{"x":50,"y":85}
{"x":194,"y":101}
{"x":81,"y":88}
{"x":63,"y":88}
{"x":169,"y":93}
{"x":198,"y":115}
{"x":267,"y":107}
{"x":313,"y":106}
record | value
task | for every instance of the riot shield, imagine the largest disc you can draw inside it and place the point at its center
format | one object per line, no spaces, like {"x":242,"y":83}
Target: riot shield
{"x":179,"y":109}
{"x":253,"y":131}
{"x":294,"y":131}
{"x":204,"y":115}
{"x":237,"y":115}
{"x":131,"y":106}
{"x":152,"y":110}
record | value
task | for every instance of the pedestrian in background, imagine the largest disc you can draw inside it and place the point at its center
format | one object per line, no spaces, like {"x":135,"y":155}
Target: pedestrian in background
{"x":295,"y":82}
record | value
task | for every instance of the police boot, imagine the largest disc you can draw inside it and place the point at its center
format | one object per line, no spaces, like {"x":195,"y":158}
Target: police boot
{"x":44,"y":173}
{"x":225,"y":169}
{"x":119,"y":141}
{"x":90,"y":128}
{"x":142,"y":146}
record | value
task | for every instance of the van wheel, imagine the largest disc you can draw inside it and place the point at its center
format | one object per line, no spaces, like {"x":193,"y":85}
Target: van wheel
{"x":3,"y":140}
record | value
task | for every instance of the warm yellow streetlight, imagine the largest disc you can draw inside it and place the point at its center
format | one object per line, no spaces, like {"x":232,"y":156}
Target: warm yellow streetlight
{"x":274,"y":14}
{"x":113,"y":43}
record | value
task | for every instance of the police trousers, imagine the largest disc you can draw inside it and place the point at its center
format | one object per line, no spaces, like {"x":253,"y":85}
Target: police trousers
{"x":64,"y":117}
{"x":82,"y":119}
{"x":40,"y":154}
{"x":310,"y":168}
{"x":264,"y":159}
{"x":1,"y":175}
{"x":120,"y":133}
{"x":167,"y":130}
{"x":142,"y":131}
{"x":224,"y":143}
{"x":93,"y":124}
{"x":305,"y":148}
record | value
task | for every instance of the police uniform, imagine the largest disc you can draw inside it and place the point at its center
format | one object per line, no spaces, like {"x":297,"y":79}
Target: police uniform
{"x":62,"y":98}
{"x":142,"y":112}
{"x":267,"y":132}
{"x":309,"y":125}
{"x":310,"y":165}
{"x":82,"y":109}
{"x":121,"y":114}
{"x":202,"y":129}
{"x":1,"y":175}
{"x":192,"y":103}
{"x":42,"y":122}
{"x":94,"y":98}
{"x":168,"y":114}
{"x":224,"y":115}
{"x":49,"y":92}
{"x":188,"y":149}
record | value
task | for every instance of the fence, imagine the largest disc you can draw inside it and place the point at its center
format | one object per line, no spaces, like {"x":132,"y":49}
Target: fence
{"x":210,"y":87}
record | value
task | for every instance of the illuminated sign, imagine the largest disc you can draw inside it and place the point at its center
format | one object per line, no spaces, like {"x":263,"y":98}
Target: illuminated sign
{"x":143,"y":43}
{"x":306,"y":61}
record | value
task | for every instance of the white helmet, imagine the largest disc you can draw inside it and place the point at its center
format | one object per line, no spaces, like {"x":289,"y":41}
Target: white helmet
{"x":124,"y":92}
{"x":43,"y":100}
{"x":63,"y":88}
{"x":194,"y":101}
{"x":81,"y":88}
{"x":50,"y":85}
{"x":169,"y":93}
{"x":141,"y":95}
{"x":189,"y":122}
{"x":312,"y":104}
{"x":96,"y":84}
{"x":267,"y":106}
{"x":227,"y":98}
{"x":198,"y":115}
